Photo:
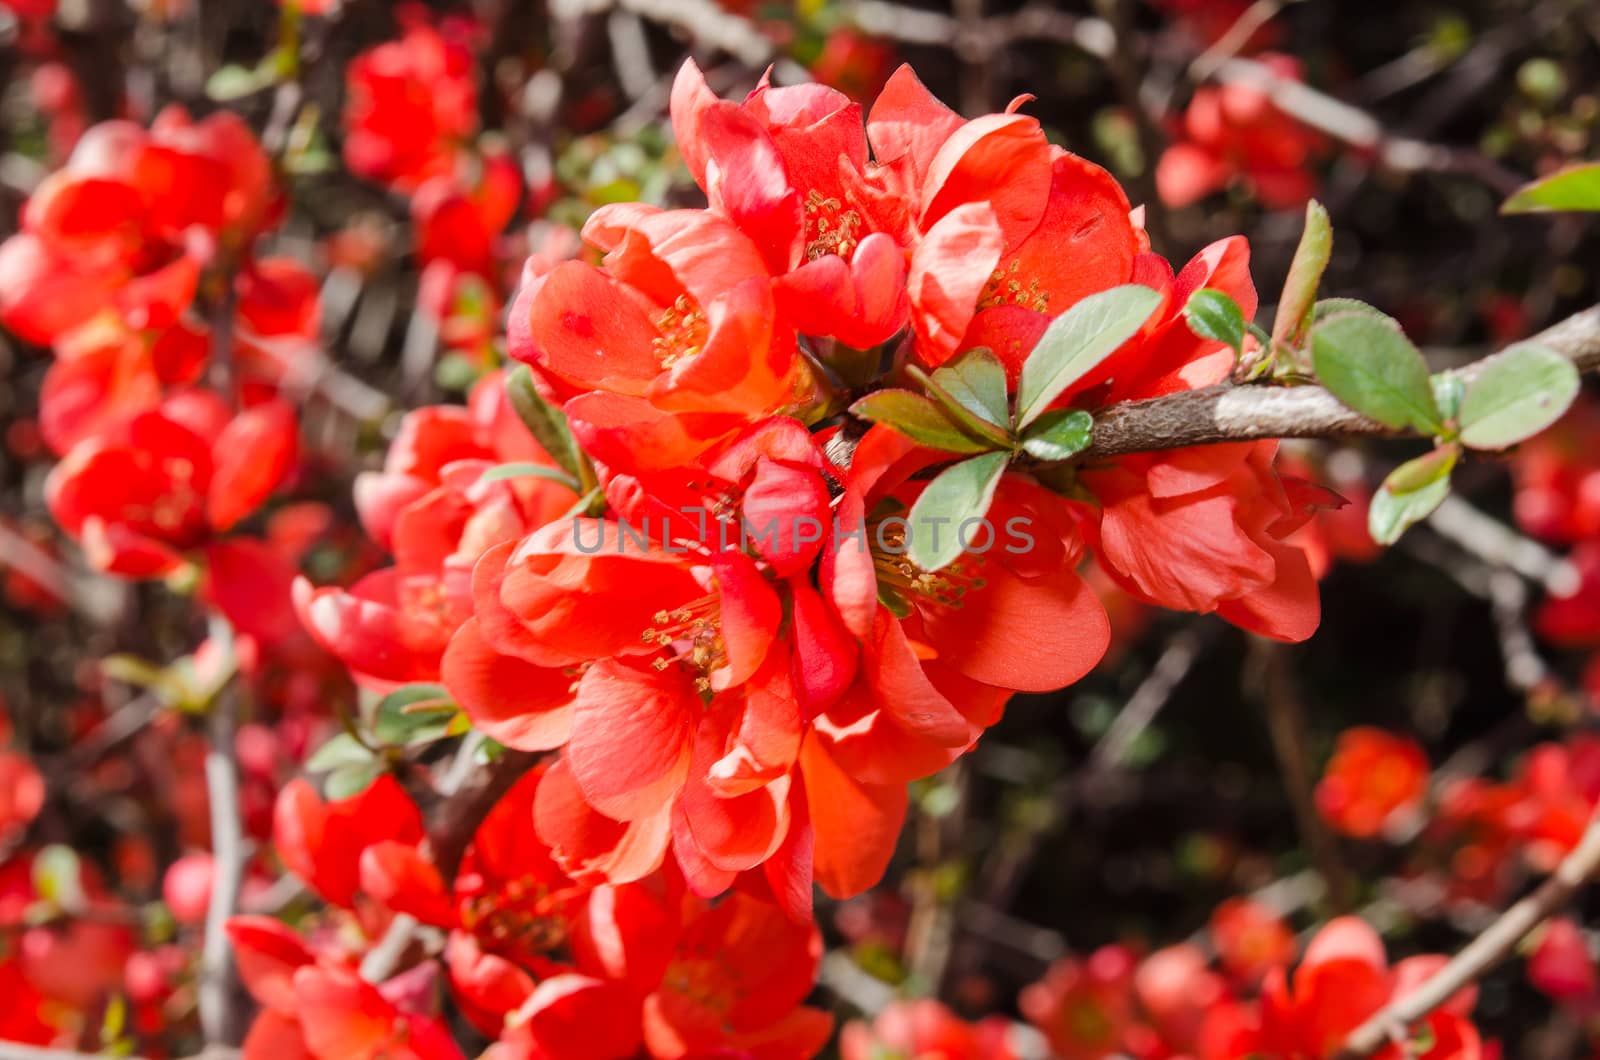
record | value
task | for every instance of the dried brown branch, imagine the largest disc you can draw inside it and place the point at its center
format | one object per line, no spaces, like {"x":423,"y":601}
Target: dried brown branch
{"x":1488,"y":949}
{"x":1228,"y":413}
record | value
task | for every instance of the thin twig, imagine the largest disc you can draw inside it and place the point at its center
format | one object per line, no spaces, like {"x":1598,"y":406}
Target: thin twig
{"x":221,"y":1000}
{"x":1233,"y":41}
{"x":1153,"y":693}
{"x":468,"y":792}
{"x":1286,"y":721}
{"x":1499,"y":545}
{"x":383,"y":959}
{"x":221,"y":1010}
{"x":21,"y":1051}
{"x":1526,"y":670}
{"x":702,"y":20}
{"x":930,"y":934}
{"x":88,"y":596}
{"x":1356,"y":127}
{"x":1484,"y":952}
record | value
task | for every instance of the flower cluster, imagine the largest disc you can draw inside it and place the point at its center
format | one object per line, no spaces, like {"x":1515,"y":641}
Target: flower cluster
{"x":1174,"y":1003}
{"x":682,"y":562}
{"x":411,"y":124}
{"x":123,"y":252}
{"x":698,"y":586}
{"x":542,"y":963}
{"x":755,"y":702}
{"x":1476,"y":835}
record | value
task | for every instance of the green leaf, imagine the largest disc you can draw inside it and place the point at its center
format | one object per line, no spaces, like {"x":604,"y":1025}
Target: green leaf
{"x":1517,"y":394}
{"x":977,"y":380}
{"x":413,"y":707}
{"x":501,"y":472}
{"x":1058,"y":435}
{"x":919,"y":419}
{"x":456,"y":371}
{"x":236,"y":82}
{"x":1424,"y":470}
{"x":1331,"y":307}
{"x":1574,"y":188}
{"x":1214,"y":315}
{"x":352,"y":779}
{"x":1077,"y":341}
{"x":961,"y":492}
{"x":547,"y":423}
{"x":1448,"y":389}
{"x":342,"y":749}
{"x":1370,"y":366}
{"x":1410,"y":493}
{"x":1305,"y":274}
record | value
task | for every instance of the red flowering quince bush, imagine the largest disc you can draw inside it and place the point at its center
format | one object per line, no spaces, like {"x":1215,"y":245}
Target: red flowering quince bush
{"x":621,"y":653}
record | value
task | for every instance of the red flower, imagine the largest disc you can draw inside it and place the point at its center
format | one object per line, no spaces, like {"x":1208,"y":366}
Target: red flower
{"x":1373,"y":778}
{"x":63,"y":968}
{"x":1561,"y":965}
{"x":1204,"y":530}
{"x":412,"y":104}
{"x":130,"y":221}
{"x":1084,"y":1008}
{"x":164,"y":481}
{"x":1250,"y":939}
{"x":510,"y":908}
{"x":678,"y":317}
{"x":1234,"y":131}
{"x":925,"y":1028}
{"x":853,"y":63}
{"x":431,"y":508}
{"x":735,"y":980}
{"x":323,"y":842}
{"x":1557,"y":478}
{"x":22,"y":794}
{"x":316,"y":1008}
{"x":1344,"y":978}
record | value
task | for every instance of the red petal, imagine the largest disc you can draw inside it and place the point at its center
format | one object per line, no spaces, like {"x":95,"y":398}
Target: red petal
{"x":630,"y":738}
{"x":252,"y":456}
{"x":520,"y":705}
{"x":399,"y":877}
{"x":856,"y":825}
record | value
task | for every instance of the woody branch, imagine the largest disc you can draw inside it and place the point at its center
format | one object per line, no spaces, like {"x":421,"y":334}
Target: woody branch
{"x":1242,"y":413}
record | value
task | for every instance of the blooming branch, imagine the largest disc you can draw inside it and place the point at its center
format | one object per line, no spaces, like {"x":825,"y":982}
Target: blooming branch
{"x":1488,"y":949}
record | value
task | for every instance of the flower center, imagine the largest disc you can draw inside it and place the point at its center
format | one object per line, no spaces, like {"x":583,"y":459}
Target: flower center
{"x":695,"y":632}
{"x":519,"y":915}
{"x":1006,"y":287}
{"x":830,"y":228}
{"x":682,"y":327}
{"x":947,"y":587}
